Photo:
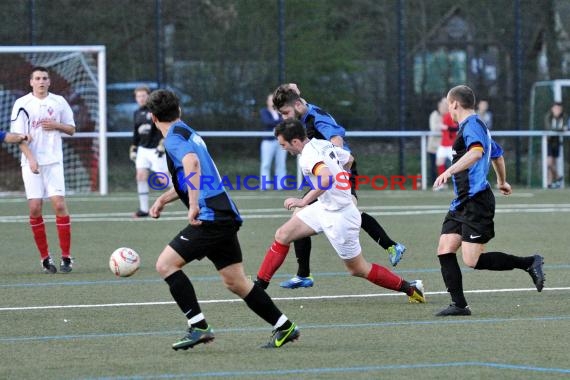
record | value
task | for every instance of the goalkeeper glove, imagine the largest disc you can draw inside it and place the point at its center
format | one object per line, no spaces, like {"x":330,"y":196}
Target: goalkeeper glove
{"x":160,"y":148}
{"x":133,"y":153}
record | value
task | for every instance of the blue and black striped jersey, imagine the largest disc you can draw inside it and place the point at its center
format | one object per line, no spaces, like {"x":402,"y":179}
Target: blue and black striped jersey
{"x":321,"y":125}
{"x":214,"y":202}
{"x":473,"y":133}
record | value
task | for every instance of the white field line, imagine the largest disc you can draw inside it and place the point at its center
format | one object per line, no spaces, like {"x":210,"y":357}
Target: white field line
{"x":306,"y":298}
{"x":271,"y":213}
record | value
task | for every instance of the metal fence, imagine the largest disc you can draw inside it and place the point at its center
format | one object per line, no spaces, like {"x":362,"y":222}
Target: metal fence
{"x":385,"y":71}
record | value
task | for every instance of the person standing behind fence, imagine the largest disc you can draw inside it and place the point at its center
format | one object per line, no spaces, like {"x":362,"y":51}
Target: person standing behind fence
{"x":147,"y":150}
{"x":554,"y":120}
{"x":433,"y":142}
{"x":484,"y":113}
{"x":270,"y":150}
{"x":444,"y":154}
{"x":45,"y":117}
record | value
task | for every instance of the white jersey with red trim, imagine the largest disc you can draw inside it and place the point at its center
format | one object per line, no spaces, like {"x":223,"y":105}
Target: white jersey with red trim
{"x":27,"y":114}
{"x":321,"y":153}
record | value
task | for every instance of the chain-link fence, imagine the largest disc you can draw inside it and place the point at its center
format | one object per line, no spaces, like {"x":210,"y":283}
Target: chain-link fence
{"x":373,"y":64}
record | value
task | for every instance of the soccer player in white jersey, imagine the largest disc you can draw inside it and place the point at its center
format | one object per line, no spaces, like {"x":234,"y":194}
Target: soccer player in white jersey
{"x":45,"y":116}
{"x":335,"y":214}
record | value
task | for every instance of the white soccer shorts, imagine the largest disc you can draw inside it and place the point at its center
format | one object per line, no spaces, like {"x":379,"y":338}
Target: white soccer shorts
{"x":341,"y":227}
{"x":444,"y":153}
{"x":148,"y":159}
{"x":49,"y":182}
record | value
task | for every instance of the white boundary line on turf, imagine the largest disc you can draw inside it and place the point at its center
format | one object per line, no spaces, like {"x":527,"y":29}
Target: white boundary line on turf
{"x":20,"y":197}
{"x":271,"y":213}
{"x":311,"y":298}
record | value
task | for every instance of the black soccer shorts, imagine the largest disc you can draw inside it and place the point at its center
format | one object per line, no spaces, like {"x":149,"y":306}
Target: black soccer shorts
{"x":217,"y":241}
{"x":473,"y":220}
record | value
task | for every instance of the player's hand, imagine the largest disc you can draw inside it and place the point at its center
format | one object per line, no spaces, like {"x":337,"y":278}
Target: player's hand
{"x":294,"y":87}
{"x":49,"y":125}
{"x":193,"y":212}
{"x":291,"y":203}
{"x":34,"y":166}
{"x":505,"y":188}
{"x":133,"y":153}
{"x":156,"y":209}
{"x":27,"y":138}
{"x":441,"y":179}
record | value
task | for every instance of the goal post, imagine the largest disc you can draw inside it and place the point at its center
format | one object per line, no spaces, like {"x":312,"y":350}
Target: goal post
{"x":78,"y":73}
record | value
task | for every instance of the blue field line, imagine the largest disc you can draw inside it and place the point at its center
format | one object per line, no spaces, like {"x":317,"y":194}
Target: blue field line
{"x":333,"y":370}
{"x":248,"y":330}
{"x":132,"y":281}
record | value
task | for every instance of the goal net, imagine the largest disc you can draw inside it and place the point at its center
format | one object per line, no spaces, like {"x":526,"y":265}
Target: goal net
{"x":78,"y":74}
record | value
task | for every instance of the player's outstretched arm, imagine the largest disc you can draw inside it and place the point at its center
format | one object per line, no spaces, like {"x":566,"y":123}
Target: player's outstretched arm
{"x":162,"y":201}
{"x":16,"y":138}
{"x":501,"y":172}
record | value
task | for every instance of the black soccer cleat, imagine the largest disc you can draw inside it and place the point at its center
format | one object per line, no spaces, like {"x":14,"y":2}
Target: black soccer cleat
{"x":536,"y":273}
{"x":453,"y":310}
{"x":281,"y":337}
{"x":49,"y":266}
{"x":140,"y":214}
{"x":66,"y":265}
{"x":193,"y":337}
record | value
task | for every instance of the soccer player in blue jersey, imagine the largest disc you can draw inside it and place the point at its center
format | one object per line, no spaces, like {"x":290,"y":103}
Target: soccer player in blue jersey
{"x":214,"y":221}
{"x":469,"y":223}
{"x":321,"y":125}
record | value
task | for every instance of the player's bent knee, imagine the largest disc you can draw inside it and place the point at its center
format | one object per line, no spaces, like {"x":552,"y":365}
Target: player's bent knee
{"x":471,"y":262}
{"x":357,"y":270}
{"x":165,"y":268}
{"x":161,"y":269}
{"x":239,"y":286}
{"x":282,"y":236}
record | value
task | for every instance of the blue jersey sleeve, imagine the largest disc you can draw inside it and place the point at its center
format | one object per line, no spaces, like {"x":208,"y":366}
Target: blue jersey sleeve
{"x":325,"y":123}
{"x":473,"y":134}
{"x":329,"y":130}
{"x":178,"y":146}
{"x":496,"y":150}
{"x":2,"y":136}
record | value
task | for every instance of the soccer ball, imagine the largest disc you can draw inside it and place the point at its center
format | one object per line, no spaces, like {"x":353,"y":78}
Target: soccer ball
{"x":124,"y":262}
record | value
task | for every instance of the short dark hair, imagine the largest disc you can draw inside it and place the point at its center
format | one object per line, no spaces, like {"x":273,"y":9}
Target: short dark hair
{"x":284,"y":95}
{"x":164,"y":105}
{"x":290,"y":129}
{"x":464,"y":95}
{"x":142,"y":88}
{"x":38,"y":68}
